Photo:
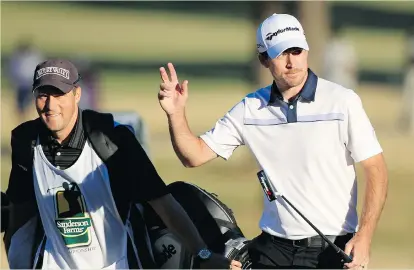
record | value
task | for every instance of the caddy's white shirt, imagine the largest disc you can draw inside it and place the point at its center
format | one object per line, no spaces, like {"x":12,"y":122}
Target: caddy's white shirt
{"x":310,"y":161}
{"x":79,"y":215}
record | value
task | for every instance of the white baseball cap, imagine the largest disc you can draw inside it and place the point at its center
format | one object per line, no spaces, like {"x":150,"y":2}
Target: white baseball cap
{"x":278,"y":33}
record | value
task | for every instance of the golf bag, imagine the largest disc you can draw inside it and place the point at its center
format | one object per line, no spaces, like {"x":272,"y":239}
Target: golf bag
{"x":214,"y":221}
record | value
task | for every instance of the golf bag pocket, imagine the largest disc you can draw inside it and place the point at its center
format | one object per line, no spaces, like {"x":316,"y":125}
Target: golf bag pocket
{"x":169,"y":252}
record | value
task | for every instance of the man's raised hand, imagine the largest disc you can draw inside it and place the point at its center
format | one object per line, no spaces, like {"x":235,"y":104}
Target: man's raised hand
{"x":172,"y":95}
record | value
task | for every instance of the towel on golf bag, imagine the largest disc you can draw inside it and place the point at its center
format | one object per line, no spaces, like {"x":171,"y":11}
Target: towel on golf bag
{"x":214,"y":221}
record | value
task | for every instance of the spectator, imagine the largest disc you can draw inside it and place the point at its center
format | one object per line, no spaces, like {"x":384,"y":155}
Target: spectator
{"x":22,"y":63}
{"x":340,"y":62}
{"x":89,"y":83}
{"x":407,"y":117}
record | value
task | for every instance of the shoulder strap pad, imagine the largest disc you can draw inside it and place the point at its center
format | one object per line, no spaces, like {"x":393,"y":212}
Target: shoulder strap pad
{"x":99,"y":128}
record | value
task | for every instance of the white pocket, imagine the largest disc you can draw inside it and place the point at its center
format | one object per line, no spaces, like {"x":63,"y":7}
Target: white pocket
{"x":20,"y":251}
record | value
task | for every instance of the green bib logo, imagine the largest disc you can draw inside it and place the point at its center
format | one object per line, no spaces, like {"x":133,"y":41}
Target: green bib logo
{"x":72,"y":220}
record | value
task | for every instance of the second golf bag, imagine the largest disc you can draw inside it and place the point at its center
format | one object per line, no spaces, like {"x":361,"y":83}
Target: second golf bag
{"x":214,"y":221}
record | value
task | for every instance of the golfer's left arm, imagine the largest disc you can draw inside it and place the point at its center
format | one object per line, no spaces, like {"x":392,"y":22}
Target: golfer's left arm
{"x":376,"y":187}
{"x":365,"y":149}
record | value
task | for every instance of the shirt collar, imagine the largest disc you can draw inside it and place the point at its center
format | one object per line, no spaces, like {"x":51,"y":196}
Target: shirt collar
{"x":307,"y":92}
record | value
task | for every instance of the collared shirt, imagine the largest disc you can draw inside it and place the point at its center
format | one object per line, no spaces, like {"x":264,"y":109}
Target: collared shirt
{"x":65,"y":154}
{"x":307,"y":148}
{"x":306,"y":94}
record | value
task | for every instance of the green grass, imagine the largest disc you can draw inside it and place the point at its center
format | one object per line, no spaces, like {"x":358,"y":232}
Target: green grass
{"x":68,"y":29}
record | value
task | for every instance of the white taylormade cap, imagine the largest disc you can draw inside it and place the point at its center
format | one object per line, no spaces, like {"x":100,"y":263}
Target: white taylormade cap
{"x":278,"y":33}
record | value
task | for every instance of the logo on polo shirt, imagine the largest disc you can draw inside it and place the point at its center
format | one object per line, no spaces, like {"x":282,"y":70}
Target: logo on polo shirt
{"x":270,"y":36}
{"x":52,"y":70}
{"x":72,"y":220}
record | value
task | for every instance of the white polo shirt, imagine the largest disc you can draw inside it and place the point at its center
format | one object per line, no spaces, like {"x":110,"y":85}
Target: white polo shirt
{"x":307,"y":148}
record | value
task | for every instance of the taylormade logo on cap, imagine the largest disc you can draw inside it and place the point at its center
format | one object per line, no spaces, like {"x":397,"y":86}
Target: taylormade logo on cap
{"x":270,"y":36}
{"x":278,"y":33}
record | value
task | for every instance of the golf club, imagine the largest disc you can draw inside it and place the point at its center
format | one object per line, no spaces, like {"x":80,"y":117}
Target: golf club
{"x":272,"y":195}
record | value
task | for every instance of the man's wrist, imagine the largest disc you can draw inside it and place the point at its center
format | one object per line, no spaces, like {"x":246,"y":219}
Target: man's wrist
{"x":176,"y":114}
{"x":365,"y":233}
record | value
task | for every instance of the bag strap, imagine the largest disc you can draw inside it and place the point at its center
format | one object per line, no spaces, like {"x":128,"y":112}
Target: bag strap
{"x":100,"y":128}
{"x":140,"y":233}
{"x":101,"y":133}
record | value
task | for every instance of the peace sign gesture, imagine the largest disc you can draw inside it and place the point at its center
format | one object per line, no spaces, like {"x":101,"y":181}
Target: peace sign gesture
{"x":172,"y":96}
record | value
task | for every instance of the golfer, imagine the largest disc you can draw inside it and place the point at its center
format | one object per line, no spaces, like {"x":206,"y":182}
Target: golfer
{"x":307,"y":134}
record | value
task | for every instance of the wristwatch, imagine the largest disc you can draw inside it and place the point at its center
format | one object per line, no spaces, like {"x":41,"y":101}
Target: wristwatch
{"x":204,"y":254}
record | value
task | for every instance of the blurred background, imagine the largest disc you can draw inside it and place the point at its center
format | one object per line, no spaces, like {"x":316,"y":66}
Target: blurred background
{"x":119,"y":47}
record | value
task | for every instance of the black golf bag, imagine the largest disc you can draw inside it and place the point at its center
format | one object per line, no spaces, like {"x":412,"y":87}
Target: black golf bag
{"x":214,"y":221}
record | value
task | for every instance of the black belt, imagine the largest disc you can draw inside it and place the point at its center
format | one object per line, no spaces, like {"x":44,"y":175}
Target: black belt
{"x":314,"y":241}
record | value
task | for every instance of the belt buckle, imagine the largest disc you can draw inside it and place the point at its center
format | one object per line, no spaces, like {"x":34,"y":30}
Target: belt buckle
{"x":301,"y":242}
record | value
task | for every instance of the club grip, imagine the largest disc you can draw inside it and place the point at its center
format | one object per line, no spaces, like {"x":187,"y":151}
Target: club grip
{"x":347,"y":258}
{"x":266,"y":186}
